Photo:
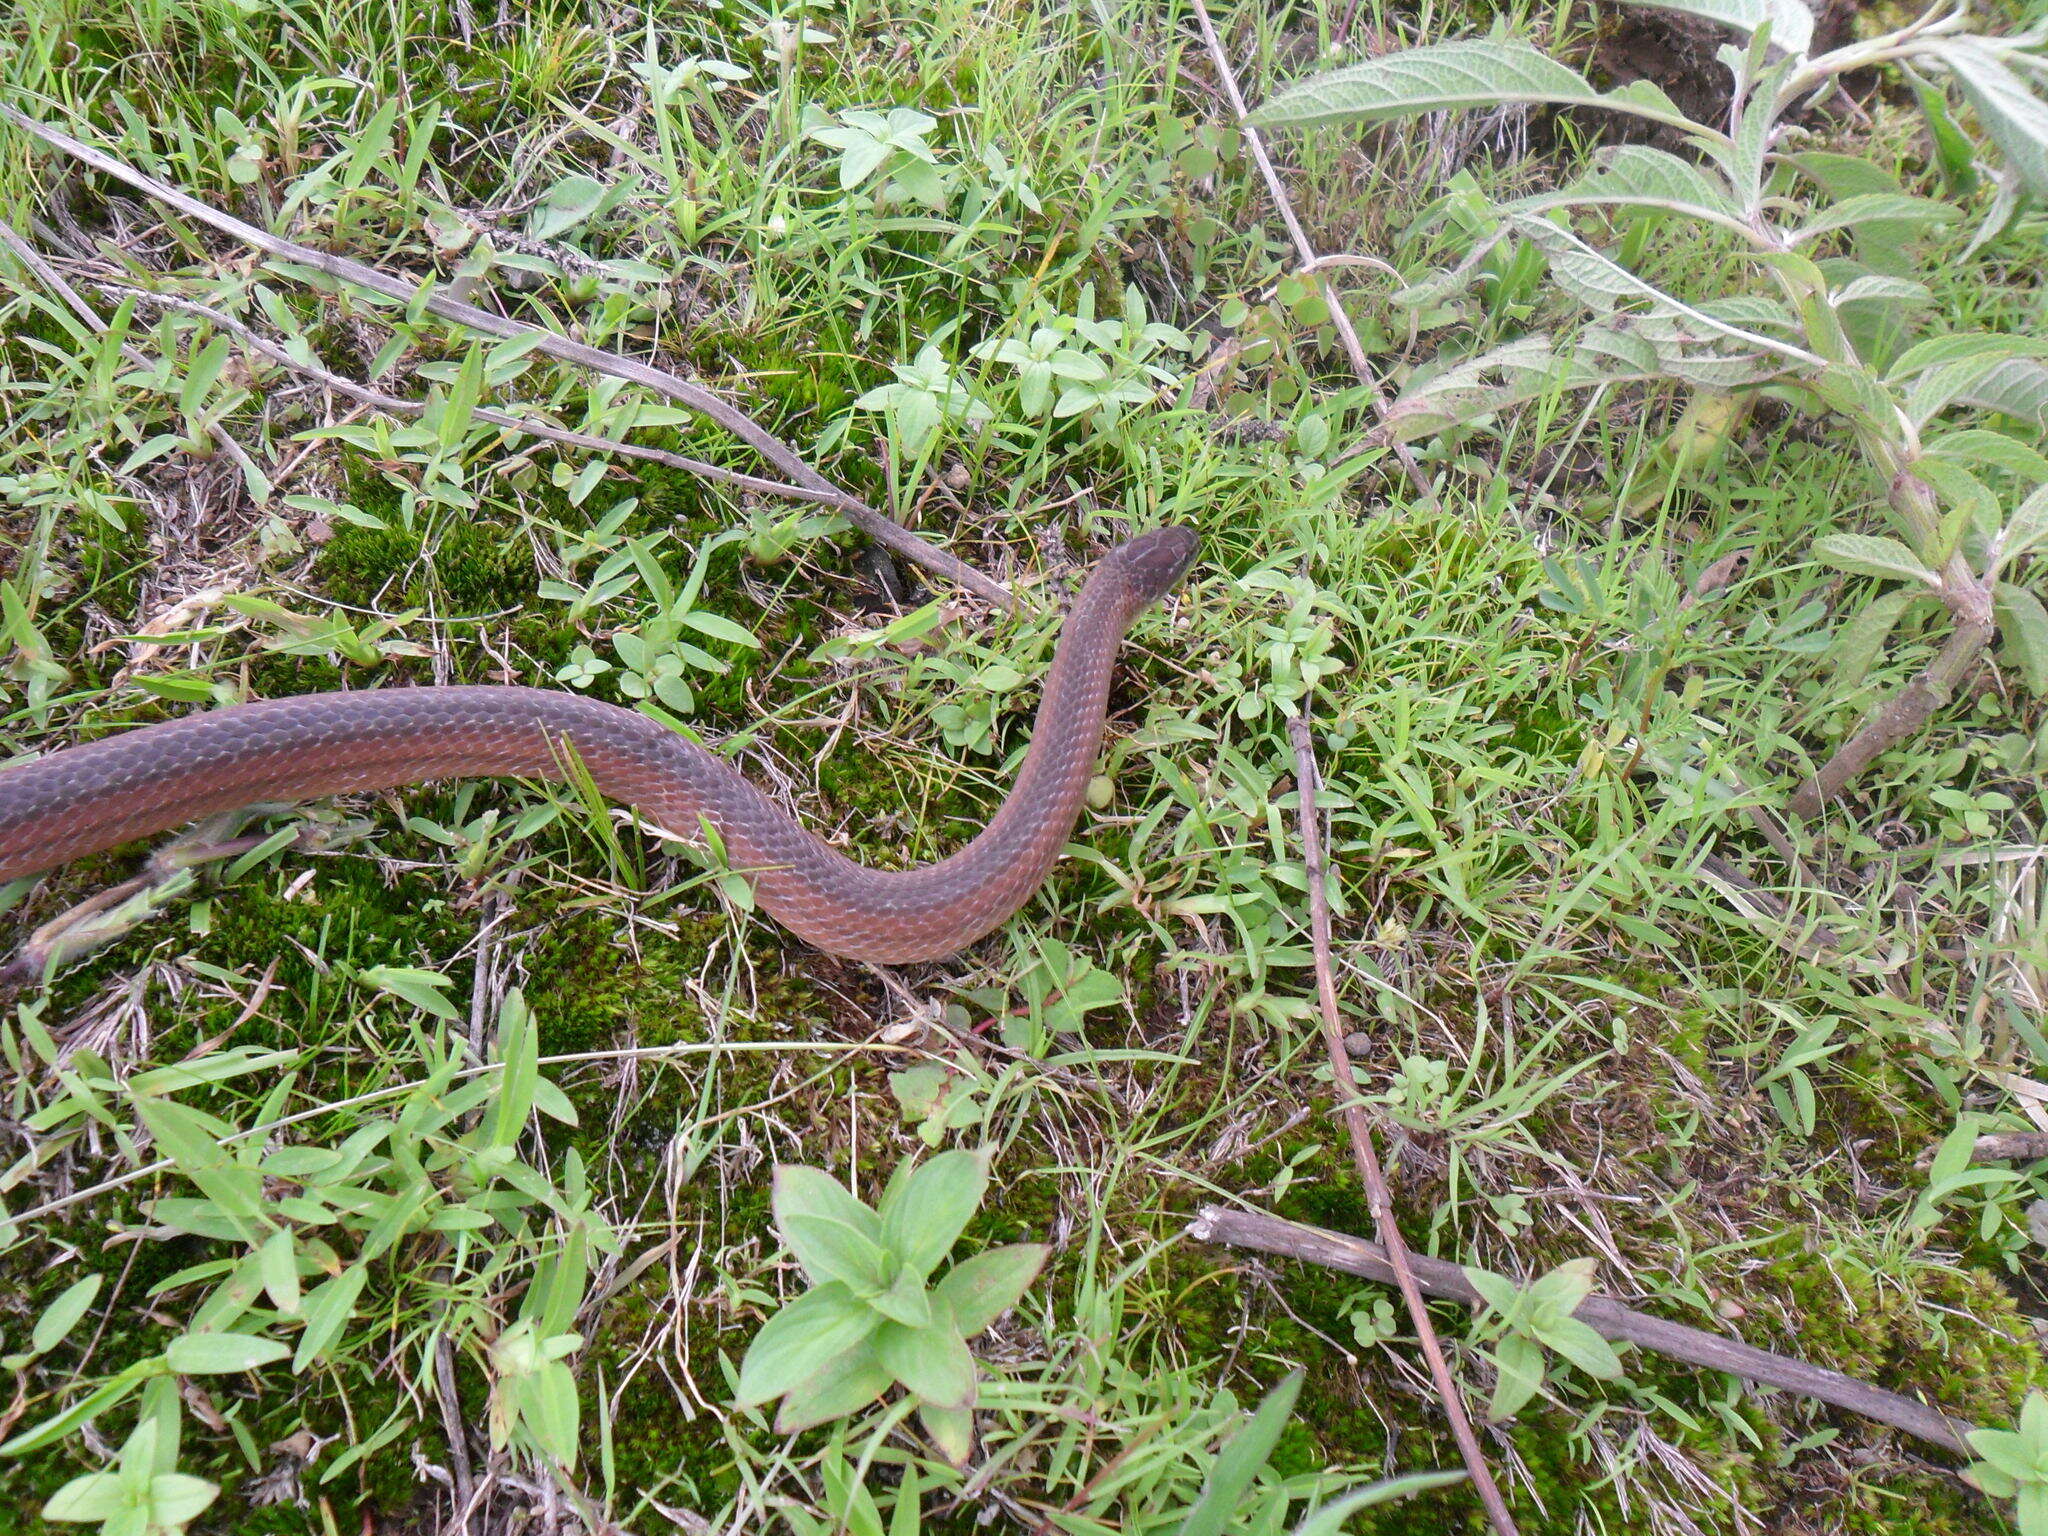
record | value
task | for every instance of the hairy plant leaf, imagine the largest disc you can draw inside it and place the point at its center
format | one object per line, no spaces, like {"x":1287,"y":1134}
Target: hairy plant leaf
{"x":2011,"y":113}
{"x":933,"y":1362}
{"x":927,"y":1206}
{"x":981,"y":1289}
{"x":1861,"y":641}
{"x":845,"y":1385}
{"x":1864,"y":554}
{"x":1790,"y":21}
{"x":1633,"y":175}
{"x":1471,"y":72}
{"x":1874,"y":208}
{"x":2016,"y":387}
{"x":2023,"y":627}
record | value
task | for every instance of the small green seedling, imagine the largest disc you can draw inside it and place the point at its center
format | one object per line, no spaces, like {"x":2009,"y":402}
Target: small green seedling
{"x":2015,"y":1465}
{"x":874,"y":1317}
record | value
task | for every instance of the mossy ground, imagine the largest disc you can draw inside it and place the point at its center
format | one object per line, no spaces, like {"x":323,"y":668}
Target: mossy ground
{"x":1519,"y":909}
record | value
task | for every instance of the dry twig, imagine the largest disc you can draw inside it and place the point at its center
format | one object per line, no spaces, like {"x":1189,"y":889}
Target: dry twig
{"x":1381,"y":1203}
{"x":1313,"y":266}
{"x":1605,"y":1316}
{"x":875,"y":524}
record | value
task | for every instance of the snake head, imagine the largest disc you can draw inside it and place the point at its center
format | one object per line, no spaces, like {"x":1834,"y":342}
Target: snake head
{"x":1154,"y":561}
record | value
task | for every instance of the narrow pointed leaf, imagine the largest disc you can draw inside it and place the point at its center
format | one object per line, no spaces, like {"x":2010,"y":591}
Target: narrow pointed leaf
{"x":1237,"y":1464}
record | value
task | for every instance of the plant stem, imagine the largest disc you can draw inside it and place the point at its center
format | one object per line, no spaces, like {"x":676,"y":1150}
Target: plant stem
{"x":1968,"y":598}
{"x":1345,"y":1081}
{"x":1896,"y":719}
{"x":1605,"y":1316}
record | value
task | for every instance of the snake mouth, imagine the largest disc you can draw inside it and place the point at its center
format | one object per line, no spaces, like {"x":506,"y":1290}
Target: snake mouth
{"x":1155,"y":561}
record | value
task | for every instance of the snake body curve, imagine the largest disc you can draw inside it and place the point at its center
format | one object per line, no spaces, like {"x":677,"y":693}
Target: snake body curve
{"x":83,"y":799}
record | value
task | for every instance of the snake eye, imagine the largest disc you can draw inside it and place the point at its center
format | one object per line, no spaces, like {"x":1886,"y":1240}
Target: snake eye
{"x":1155,"y":561}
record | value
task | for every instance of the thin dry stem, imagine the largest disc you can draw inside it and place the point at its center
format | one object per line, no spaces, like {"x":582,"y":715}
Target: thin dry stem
{"x":1362,"y":1147}
{"x":1313,"y":265}
{"x":875,"y":524}
{"x":1605,"y":1316}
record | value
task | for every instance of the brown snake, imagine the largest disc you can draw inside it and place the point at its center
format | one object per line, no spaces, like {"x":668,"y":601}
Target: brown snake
{"x":84,"y":799}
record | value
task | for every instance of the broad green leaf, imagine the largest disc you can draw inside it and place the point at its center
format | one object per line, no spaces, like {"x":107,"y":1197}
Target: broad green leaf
{"x":804,"y":1337}
{"x":1937,"y":388}
{"x":981,"y":1289}
{"x":1473,"y":72}
{"x":1968,"y":497}
{"x":176,"y":1499}
{"x":1790,"y":21}
{"x":192,"y":1140}
{"x":831,"y":1249}
{"x":926,"y":1208}
{"x":1237,"y":1464}
{"x":1497,"y":1291}
{"x":1939,"y":351}
{"x":548,"y":1409}
{"x":1867,"y":555}
{"x":932,"y":1362}
{"x":1582,"y":1346}
{"x":95,"y":1496}
{"x":1975,"y":445}
{"x":814,"y":1195}
{"x":1331,"y":1518}
{"x":952,"y":1431}
{"x":1691,"y":343}
{"x":1634,"y":175}
{"x":2023,"y":627}
{"x":1875,"y":288}
{"x":203,"y":375}
{"x":2026,"y":529}
{"x":2016,"y":387}
{"x":565,"y":205}
{"x":1559,"y":1291}
{"x":844,"y":1385}
{"x":219,"y":1354}
{"x":63,"y":1314}
{"x":719,"y":627}
{"x":1874,"y":208}
{"x":1853,"y":391}
{"x":278,"y":1260}
{"x":1861,"y":641}
{"x":906,"y":1301}
{"x":2009,"y":111}
{"x":1519,"y":371}
{"x":1953,"y":151}
{"x":1518,"y":1364}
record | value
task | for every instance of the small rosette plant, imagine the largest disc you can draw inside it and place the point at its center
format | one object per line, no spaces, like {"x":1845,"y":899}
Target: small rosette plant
{"x":874,"y":1317}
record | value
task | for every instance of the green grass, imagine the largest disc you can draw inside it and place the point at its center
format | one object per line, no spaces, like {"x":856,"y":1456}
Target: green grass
{"x":1577,"y":1039}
